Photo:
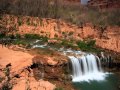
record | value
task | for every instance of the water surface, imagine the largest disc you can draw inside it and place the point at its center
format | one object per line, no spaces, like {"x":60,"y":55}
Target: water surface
{"x":110,"y":83}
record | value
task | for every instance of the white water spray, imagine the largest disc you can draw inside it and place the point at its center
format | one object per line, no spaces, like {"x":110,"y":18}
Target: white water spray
{"x":86,"y":68}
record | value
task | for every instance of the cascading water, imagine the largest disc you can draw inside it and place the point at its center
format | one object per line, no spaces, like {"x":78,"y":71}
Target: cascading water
{"x":86,"y":68}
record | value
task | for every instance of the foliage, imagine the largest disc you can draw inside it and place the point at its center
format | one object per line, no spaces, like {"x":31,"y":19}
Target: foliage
{"x":91,"y":43}
{"x":58,"y":88}
{"x":71,"y":33}
{"x":1,"y":79}
{"x":19,"y":22}
{"x":17,"y":36}
{"x":67,"y":43}
{"x":88,"y":46}
{"x":18,"y":42}
{"x":11,"y":36}
{"x":56,"y":9}
{"x":56,"y":36}
{"x":28,"y":21}
{"x":6,"y":86}
{"x":35,"y":36}
{"x":31,"y":36}
{"x":2,"y":35}
{"x":63,"y":33}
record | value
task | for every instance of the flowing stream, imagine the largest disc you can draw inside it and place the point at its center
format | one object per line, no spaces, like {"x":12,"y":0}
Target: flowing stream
{"x":87,"y":73}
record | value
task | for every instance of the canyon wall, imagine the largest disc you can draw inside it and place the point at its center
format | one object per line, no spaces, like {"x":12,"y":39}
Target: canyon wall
{"x":104,"y":3}
{"x":51,"y":28}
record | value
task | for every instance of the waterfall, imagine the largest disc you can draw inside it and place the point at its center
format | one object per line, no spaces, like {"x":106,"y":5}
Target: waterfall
{"x":86,"y":68}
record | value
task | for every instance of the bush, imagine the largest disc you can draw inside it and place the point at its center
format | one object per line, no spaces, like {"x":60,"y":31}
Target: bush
{"x":2,"y":35}
{"x":32,"y":36}
{"x":82,"y":45}
{"x":45,"y":39}
{"x":66,"y":43}
{"x":11,"y":36}
{"x":18,"y":42}
{"x":18,"y":36}
{"x":58,"y":88}
{"x":7,"y":86}
{"x":91,"y":43}
{"x":88,"y":46}
{"x":1,"y":79}
{"x":71,"y":33}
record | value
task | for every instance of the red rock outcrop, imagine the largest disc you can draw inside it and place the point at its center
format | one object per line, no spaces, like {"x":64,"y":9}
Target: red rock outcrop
{"x":52,"y":28}
{"x":19,"y":62}
{"x":104,"y":3}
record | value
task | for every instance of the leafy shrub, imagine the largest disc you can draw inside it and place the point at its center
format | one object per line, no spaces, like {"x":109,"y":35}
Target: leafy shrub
{"x":2,"y":35}
{"x":32,"y":36}
{"x":91,"y":43}
{"x":1,"y":79}
{"x":58,"y":88}
{"x":18,"y":36}
{"x":88,"y":46}
{"x":11,"y":36}
{"x":71,"y":33}
{"x":56,"y":36}
{"x":45,"y":39}
{"x":63,"y":33}
{"x":18,"y":42}
{"x":7,"y":86}
{"x":28,"y":21}
{"x":66,"y":43}
{"x":19,"y":22}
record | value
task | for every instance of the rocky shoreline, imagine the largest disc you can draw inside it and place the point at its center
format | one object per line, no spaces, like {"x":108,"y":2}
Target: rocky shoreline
{"x":45,"y":70}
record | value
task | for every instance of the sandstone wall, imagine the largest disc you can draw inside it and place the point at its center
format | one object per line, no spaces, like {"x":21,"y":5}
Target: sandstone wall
{"x":60,"y":29}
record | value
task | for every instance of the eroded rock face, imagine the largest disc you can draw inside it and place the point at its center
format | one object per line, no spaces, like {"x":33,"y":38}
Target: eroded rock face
{"x":109,"y":39}
{"x":18,"y":59}
{"x":21,"y":76}
{"x":48,"y":68}
{"x":47,"y":60}
{"x":33,"y":85}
